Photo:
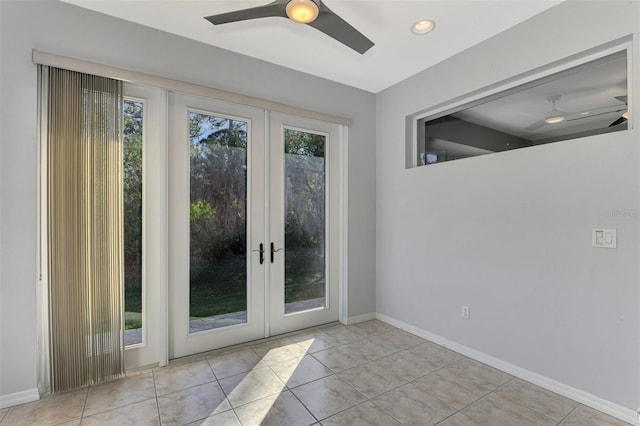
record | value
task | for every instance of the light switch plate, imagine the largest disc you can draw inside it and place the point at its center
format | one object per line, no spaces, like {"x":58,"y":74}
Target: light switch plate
{"x":605,"y":238}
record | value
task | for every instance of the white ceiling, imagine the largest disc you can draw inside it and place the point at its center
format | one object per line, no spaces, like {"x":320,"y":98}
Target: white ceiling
{"x":397,"y":53}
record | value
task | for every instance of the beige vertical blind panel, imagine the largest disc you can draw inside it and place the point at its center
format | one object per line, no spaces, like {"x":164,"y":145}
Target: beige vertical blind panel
{"x":85,"y":227}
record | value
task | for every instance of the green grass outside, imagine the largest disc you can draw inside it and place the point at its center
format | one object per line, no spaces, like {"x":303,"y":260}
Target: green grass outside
{"x":304,"y":275}
{"x":132,"y":320}
{"x":220,"y":287}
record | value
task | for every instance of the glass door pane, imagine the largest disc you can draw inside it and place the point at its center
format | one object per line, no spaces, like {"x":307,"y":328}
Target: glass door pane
{"x":218,"y":221}
{"x":133,"y":111}
{"x":216,"y":224}
{"x":304,"y":267}
{"x":305,"y":224}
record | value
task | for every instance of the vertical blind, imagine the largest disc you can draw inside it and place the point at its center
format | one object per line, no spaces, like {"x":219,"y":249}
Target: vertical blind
{"x":83,"y":163}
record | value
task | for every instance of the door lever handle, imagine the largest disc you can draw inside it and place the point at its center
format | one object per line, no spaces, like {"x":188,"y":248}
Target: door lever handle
{"x":274,"y":250}
{"x":261,"y":251}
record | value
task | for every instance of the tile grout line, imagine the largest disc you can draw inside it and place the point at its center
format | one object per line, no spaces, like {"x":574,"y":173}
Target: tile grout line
{"x":84,"y":405}
{"x":266,"y":365}
{"x":357,"y":405}
{"x":411,"y":382}
{"x":118,"y":407}
{"x":303,"y":404}
{"x":515,"y":401}
{"x":489,"y":392}
{"x":460,"y":411}
{"x":570,"y":413}
{"x":5,"y":415}
{"x":155,"y":391}
{"x":226,"y":397}
{"x":435,"y":396}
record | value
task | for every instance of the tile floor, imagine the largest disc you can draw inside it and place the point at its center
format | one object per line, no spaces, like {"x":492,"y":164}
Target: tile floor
{"x":365,"y":374}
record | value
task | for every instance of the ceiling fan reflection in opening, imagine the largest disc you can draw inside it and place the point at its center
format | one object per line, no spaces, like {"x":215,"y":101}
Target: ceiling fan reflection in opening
{"x":311,"y":12}
{"x":555,"y":116}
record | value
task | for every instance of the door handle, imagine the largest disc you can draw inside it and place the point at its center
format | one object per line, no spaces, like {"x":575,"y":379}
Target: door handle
{"x":274,"y":250}
{"x":261,"y":251}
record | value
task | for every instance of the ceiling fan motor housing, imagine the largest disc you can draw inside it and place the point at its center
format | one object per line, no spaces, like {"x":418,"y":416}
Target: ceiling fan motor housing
{"x":325,"y":20}
{"x":302,"y":11}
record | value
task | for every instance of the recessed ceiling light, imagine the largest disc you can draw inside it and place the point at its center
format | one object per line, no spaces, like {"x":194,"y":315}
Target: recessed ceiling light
{"x":423,"y":27}
{"x":585,"y":113}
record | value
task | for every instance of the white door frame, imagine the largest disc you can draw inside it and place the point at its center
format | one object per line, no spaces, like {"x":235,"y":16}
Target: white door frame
{"x":181,"y":341}
{"x":151,"y":351}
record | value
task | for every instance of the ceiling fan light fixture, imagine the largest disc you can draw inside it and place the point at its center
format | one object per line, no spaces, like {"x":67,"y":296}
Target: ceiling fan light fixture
{"x":423,"y":27}
{"x":625,"y":115}
{"x":554,"y":119}
{"x":302,"y":11}
{"x":556,"y":116}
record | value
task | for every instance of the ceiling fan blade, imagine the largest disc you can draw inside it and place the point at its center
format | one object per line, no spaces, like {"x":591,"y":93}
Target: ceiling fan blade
{"x":622,"y":98}
{"x":537,"y":125}
{"x":618,"y":121}
{"x":336,"y":27}
{"x":275,"y":8}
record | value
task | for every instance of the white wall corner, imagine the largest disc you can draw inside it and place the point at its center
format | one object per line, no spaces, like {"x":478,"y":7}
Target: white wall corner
{"x":359,"y":318}
{"x":19,"y":398}
{"x":585,"y":398}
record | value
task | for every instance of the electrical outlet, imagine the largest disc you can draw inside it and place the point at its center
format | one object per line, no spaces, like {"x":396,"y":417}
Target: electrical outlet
{"x":465,"y":312}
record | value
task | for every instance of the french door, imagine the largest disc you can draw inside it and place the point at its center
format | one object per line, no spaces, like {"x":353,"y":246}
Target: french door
{"x":251,"y":224}
{"x":303,"y":222}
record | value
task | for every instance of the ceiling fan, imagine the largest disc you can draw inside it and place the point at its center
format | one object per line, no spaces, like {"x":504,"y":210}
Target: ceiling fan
{"x":555,"y":116}
{"x":311,"y":12}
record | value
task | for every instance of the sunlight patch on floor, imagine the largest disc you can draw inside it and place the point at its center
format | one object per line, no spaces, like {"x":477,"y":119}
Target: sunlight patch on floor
{"x":288,"y":353}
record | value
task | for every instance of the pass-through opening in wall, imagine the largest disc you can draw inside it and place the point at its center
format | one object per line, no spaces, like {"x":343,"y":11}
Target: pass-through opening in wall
{"x":585,"y":97}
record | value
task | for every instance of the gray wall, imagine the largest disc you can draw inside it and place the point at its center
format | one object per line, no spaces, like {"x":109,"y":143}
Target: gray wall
{"x":71,"y":31}
{"x":509,"y":234}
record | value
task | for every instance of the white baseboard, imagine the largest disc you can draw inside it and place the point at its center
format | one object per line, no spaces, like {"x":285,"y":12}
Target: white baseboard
{"x":578,"y":395}
{"x":359,"y":318}
{"x":19,"y":398}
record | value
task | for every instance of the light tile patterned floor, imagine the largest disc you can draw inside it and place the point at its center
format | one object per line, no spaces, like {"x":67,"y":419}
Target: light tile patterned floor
{"x":365,"y":374}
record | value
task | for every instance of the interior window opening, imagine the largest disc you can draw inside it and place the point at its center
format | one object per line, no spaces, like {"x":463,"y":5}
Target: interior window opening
{"x":585,"y":100}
